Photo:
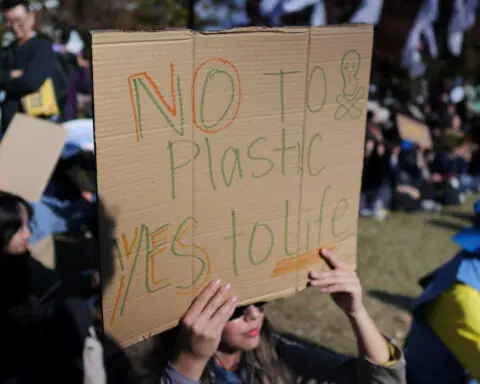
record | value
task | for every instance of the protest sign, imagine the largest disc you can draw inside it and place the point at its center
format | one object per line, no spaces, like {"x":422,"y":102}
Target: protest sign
{"x":28,"y":155}
{"x":231,"y":155}
{"x":415,"y":131}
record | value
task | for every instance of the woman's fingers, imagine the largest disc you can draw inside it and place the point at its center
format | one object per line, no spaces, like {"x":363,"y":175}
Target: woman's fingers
{"x":341,"y":287}
{"x":201,"y":301}
{"x":332,"y":260}
{"x":322,"y":283}
{"x":221,"y":317}
{"x":315,"y":275}
{"x":217,"y":301}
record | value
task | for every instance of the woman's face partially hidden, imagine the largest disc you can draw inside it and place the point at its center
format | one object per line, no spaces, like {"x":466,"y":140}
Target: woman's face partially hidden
{"x":243,"y":334}
{"x":19,"y":243}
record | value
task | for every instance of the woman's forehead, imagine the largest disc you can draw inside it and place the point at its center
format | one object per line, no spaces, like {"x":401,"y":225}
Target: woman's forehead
{"x":22,"y":210}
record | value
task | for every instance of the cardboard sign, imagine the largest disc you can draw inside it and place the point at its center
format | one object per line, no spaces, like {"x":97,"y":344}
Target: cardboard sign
{"x":29,"y":152}
{"x":413,"y":130}
{"x":231,"y":155}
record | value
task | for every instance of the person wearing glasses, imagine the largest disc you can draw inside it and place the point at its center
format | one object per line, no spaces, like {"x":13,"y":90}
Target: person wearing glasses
{"x":218,"y":342}
{"x":27,"y":63}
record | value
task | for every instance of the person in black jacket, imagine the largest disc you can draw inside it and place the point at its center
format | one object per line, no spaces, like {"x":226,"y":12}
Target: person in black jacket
{"x":27,"y":63}
{"x":44,"y":317}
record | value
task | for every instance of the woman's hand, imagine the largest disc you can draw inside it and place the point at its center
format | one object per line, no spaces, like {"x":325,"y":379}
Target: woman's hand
{"x":202,"y":327}
{"x":341,"y":283}
{"x":344,"y":287}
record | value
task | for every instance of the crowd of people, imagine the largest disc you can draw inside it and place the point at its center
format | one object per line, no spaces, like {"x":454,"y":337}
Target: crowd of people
{"x":412,"y":174}
{"x":47,"y":319}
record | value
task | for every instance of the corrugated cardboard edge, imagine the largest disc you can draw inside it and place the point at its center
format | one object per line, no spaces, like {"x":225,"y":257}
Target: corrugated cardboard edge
{"x":113,"y":37}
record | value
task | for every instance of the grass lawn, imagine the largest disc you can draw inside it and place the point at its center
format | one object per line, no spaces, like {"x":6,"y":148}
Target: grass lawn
{"x":392,"y":256}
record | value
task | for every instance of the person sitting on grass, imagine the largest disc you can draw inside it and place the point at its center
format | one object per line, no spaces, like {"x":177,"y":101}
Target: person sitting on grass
{"x":218,"y":342}
{"x":443,"y":345}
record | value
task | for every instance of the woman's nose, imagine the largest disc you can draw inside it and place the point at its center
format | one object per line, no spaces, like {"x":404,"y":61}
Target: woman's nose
{"x":27,"y":233}
{"x":252,"y":312}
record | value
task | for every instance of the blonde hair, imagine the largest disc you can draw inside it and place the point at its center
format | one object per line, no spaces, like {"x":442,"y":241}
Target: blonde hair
{"x":262,"y":365}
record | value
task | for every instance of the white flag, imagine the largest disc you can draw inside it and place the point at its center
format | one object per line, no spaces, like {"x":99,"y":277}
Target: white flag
{"x":369,"y":12}
{"x":462,"y":19}
{"x":319,"y":15}
{"x":75,"y":43}
{"x":291,"y":6}
{"x":423,"y":25}
{"x":272,"y":10}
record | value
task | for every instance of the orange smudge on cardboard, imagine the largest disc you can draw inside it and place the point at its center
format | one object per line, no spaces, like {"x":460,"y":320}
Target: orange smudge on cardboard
{"x":293,"y":264}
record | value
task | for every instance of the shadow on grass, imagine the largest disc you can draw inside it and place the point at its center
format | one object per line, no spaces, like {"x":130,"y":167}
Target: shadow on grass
{"x":463,"y":216}
{"x":446,"y":225}
{"x":398,"y":300}
{"x":308,"y":343}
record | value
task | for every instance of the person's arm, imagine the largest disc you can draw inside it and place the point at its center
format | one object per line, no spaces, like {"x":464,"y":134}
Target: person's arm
{"x":370,"y":342}
{"x":454,"y":317}
{"x":40,"y":67}
{"x":310,"y":362}
{"x":379,"y":360}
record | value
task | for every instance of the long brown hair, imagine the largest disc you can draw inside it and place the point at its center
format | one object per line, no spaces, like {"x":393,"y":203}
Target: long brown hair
{"x":262,"y":365}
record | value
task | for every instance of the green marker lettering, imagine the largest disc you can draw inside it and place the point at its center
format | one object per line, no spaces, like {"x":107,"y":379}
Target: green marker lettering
{"x":210,"y":163}
{"x":209,"y":76}
{"x":320,"y":216}
{"x":252,"y":238}
{"x":177,"y":241}
{"x":132,"y":271}
{"x":284,"y":150}
{"x":173,"y":166}
{"x":323,"y":85}
{"x":336,"y":216}
{"x":179,"y":130}
{"x":282,"y":74}
{"x":237,"y":165}
{"x":234,"y":236}
{"x":251,"y":157}
{"x":148,"y":253}
{"x":309,"y":156}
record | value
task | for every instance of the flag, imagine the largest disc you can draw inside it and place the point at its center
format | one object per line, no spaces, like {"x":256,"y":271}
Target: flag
{"x":369,"y":12}
{"x":319,"y":15}
{"x":272,"y":10}
{"x":226,"y":15}
{"x":423,"y":26}
{"x":292,"y":6}
{"x":462,"y":19}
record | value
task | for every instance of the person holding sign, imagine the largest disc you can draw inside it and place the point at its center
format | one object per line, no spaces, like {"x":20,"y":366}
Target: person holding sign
{"x":218,"y":342}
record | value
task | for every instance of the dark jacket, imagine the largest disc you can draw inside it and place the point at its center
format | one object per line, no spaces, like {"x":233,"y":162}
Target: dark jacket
{"x":38,"y":62}
{"x":46,"y":350}
{"x":314,"y":365}
{"x":22,"y":279}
